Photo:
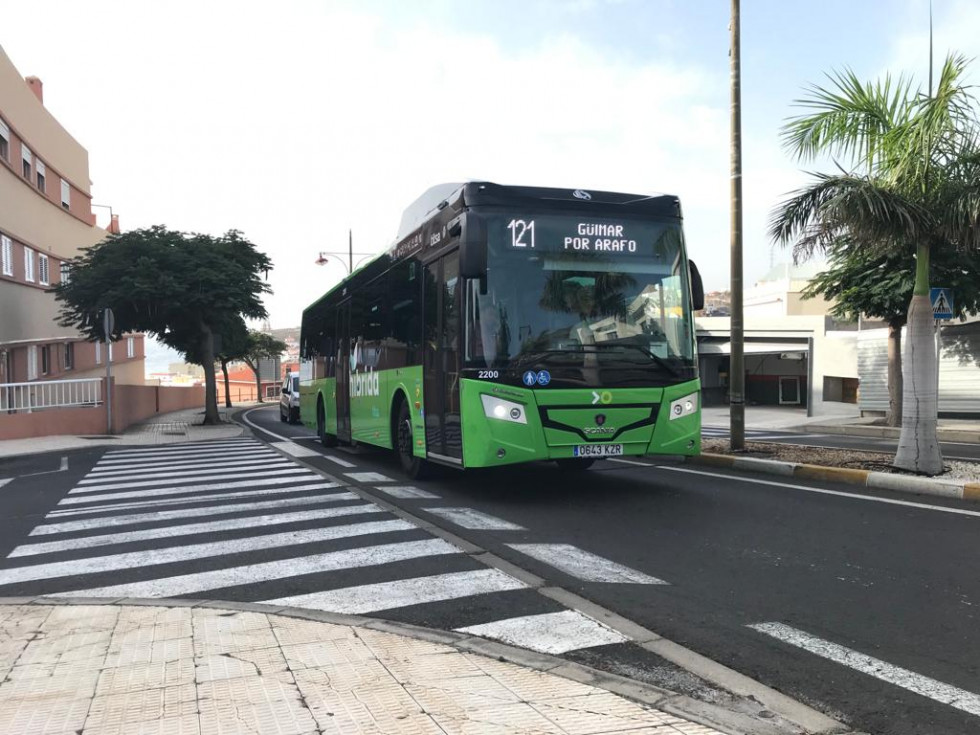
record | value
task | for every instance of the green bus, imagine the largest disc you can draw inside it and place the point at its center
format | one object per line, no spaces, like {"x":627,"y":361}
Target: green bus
{"x":511,"y":324}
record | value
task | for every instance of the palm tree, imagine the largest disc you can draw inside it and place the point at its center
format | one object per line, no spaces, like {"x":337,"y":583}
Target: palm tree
{"x":914,"y":177}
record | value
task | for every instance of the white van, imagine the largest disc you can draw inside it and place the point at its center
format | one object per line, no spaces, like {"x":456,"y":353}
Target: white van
{"x":289,"y":399}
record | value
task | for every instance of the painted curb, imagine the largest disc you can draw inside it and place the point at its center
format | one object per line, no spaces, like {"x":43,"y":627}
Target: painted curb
{"x":958,"y":490}
{"x":680,"y":705}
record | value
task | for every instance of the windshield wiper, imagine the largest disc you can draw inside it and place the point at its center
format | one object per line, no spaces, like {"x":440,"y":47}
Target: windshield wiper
{"x":656,"y":358}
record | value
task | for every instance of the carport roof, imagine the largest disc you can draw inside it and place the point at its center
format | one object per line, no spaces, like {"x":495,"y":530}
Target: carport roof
{"x":751,"y":348}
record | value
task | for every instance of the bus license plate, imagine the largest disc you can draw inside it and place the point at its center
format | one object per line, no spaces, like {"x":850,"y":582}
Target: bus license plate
{"x":598,"y":450}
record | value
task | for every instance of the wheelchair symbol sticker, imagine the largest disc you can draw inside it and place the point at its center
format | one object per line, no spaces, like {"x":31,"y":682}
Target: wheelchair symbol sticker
{"x":544,"y":377}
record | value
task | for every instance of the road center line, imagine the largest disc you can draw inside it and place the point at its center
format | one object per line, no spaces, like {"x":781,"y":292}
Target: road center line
{"x":917,"y":683}
{"x":822,"y":491}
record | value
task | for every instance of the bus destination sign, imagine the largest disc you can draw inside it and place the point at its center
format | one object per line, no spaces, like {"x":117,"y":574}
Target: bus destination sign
{"x":572,"y":236}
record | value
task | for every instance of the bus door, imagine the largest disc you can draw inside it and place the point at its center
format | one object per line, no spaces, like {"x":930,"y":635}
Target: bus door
{"x":343,"y":372}
{"x":441,"y":297}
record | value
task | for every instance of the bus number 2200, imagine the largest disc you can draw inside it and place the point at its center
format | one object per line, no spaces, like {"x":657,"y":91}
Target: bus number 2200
{"x":489,"y":374}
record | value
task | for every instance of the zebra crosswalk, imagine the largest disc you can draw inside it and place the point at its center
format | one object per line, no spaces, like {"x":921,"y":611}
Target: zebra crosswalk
{"x":235,"y":520}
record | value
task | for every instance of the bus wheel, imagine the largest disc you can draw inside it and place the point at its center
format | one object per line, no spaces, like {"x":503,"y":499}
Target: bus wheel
{"x":415,"y":467}
{"x":574,"y":465}
{"x":327,"y":440}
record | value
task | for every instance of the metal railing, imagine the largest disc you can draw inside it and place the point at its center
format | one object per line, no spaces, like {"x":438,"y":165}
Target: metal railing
{"x":42,"y":394}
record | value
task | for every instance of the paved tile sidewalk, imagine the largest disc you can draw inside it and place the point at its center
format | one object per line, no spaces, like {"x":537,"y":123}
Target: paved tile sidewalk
{"x":121,"y":670}
{"x":179,"y":426}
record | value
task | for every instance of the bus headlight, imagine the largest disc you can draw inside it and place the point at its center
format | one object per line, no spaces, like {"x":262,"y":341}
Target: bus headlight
{"x":497,"y":408}
{"x":683,"y":406}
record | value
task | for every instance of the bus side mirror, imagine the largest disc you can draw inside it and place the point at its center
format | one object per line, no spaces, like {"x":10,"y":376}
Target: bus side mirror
{"x":472,"y":246}
{"x":697,"y":287}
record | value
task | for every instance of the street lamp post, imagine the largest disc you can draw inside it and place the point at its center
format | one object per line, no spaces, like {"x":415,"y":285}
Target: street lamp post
{"x":736,"y":378}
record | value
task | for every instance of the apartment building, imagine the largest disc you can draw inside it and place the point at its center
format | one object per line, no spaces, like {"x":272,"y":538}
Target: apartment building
{"x":46,"y":217}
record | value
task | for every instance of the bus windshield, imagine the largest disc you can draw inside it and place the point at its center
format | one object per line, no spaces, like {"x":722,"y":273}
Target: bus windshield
{"x":568,"y":291}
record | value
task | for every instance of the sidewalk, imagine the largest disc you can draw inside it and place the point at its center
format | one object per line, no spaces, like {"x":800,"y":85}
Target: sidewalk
{"x":844,"y":420}
{"x":168,"y":428}
{"x":145,"y":666}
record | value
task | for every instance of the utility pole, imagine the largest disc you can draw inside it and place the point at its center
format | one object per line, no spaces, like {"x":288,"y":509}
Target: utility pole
{"x":736,"y":371}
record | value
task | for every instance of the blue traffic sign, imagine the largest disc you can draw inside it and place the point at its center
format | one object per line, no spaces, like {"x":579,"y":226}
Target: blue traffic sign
{"x":544,"y":377}
{"x":942,"y":303}
{"x":530,"y":378}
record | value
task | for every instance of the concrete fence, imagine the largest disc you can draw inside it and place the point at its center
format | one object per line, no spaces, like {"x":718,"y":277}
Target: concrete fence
{"x":130,"y":405}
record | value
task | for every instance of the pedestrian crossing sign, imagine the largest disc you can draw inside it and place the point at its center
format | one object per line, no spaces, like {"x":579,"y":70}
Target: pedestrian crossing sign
{"x":942,"y":303}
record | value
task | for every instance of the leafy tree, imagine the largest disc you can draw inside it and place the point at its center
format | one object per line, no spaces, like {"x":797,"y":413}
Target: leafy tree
{"x":183,"y":288}
{"x":880,"y":286}
{"x":230,"y":343}
{"x":914,"y":179}
{"x":260,"y":346}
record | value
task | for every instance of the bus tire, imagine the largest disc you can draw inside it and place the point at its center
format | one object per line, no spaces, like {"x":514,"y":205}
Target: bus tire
{"x":415,"y":467}
{"x":327,"y":440}
{"x":574,"y":464}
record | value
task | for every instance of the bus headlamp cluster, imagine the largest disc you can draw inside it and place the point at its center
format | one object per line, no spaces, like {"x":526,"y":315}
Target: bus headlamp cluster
{"x":684,"y":406}
{"x":498,"y":408}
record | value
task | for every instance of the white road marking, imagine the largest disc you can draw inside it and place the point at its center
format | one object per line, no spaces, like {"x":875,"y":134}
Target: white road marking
{"x":404,"y":592}
{"x":186,"y":584}
{"x":406,"y":491}
{"x":474,"y":519}
{"x":191,"y":472}
{"x":174,"y":449}
{"x":822,"y":491}
{"x":109,"y":507}
{"x":174,"y":480}
{"x":554,"y":633}
{"x":295,"y":449}
{"x":629,"y":461}
{"x":128,"y":519}
{"x":195,"y":456}
{"x":913,"y":682}
{"x":338,"y":460}
{"x":584,"y":565}
{"x":189,"y":529}
{"x":368,"y":477}
{"x":216,"y":461}
{"x":152,"y":557}
{"x":9,"y":479}
{"x":248,"y":421}
{"x":186,"y":489}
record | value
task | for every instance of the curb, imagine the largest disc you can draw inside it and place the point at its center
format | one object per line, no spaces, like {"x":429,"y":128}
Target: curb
{"x":680,"y":705}
{"x":890,"y":432}
{"x":956,"y":489}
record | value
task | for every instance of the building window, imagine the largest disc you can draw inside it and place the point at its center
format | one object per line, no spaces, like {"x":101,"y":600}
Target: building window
{"x":130,"y":347}
{"x":4,"y":141}
{"x":69,"y":355}
{"x":45,"y":359}
{"x":65,"y":271}
{"x":7,"y":255}
{"x":25,"y":154}
{"x":65,"y":194}
{"x":98,"y":353}
{"x":41,"y":171}
{"x":110,"y":352}
{"x":32,"y":362}
{"x":28,"y":265}
{"x":43,"y":271}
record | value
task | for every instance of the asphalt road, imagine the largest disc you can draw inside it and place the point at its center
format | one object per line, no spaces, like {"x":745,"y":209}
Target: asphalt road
{"x":896,"y":582}
{"x":863,"y":608}
{"x":950,"y":450}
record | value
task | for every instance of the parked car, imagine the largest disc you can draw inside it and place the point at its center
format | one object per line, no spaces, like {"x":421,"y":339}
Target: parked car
{"x":289,"y":400}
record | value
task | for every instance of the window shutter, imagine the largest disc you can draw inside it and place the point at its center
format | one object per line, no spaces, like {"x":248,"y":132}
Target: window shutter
{"x":28,"y":265}
{"x":43,"y":272}
{"x":65,"y":193}
{"x":98,"y":353}
{"x":25,"y":153}
{"x":7,"y":255}
{"x":39,"y":164}
{"x":32,"y":362}
{"x":4,"y":131}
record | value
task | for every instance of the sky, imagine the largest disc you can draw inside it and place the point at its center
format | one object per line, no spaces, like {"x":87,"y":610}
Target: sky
{"x":298,"y":121}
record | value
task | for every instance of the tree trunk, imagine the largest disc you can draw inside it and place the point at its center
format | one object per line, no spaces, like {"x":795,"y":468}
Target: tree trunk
{"x":894,"y":417}
{"x":918,"y":446}
{"x":224,"y":369}
{"x":211,"y":416}
{"x":258,"y":381}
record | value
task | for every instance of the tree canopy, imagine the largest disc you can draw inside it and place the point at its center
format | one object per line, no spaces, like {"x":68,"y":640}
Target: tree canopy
{"x":182,"y":287}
